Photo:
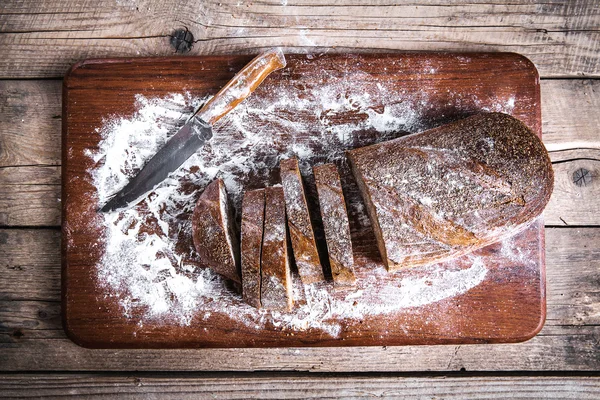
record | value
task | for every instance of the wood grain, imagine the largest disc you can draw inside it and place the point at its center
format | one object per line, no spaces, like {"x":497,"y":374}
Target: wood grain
{"x":29,"y":205}
{"x":570,"y":114}
{"x":570,"y":130}
{"x":572,"y":349}
{"x":30,"y":118}
{"x":34,"y":340}
{"x":29,"y":320}
{"x":444,"y":87}
{"x":43,"y":38}
{"x":30,"y":264}
{"x":30,"y":196}
{"x":42,"y":175}
{"x":579,"y":181}
{"x":296,"y":386}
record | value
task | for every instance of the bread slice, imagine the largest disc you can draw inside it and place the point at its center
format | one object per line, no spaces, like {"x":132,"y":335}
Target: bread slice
{"x":214,"y":233}
{"x":253,"y":214}
{"x":335,"y":222}
{"x":302,"y":235}
{"x":276,"y":280}
{"x":450,"y":190}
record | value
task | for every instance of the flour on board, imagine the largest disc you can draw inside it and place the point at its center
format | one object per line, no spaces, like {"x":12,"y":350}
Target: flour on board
{"x":152,"y":279}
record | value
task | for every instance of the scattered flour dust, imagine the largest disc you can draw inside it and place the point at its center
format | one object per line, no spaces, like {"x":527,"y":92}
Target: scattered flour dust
{"x":153,"y":281}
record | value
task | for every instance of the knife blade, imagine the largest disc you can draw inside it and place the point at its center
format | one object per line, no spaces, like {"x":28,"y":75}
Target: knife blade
{"x":197,"y":130}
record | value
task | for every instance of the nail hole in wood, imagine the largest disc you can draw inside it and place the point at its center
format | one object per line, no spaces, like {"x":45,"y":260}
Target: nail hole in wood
{"x":182,"y":40}
{"x":582,"y":177}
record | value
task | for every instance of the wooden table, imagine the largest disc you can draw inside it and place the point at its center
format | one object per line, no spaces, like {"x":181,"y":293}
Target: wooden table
{"x":39,"y":40}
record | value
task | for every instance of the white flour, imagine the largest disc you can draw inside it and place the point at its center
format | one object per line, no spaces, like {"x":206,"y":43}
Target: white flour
{"x":154,"y":281}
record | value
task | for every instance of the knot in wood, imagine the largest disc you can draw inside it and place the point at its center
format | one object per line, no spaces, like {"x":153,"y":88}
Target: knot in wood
{"x":582,"y":177}
{"x":182,"y":40}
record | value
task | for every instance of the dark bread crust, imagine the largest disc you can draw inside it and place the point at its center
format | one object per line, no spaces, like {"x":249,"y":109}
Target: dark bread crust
{"x":335,"y":223}
{"x":276,"y":280}
{"x":253,"y":213}
{"x":301,"y":231}
{"x":213,"y":232}
{"x":447,"y":191}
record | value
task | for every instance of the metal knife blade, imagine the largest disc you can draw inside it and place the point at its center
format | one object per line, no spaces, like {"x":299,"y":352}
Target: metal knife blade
{"x":169,"y":158}
{"x":197,"y":130}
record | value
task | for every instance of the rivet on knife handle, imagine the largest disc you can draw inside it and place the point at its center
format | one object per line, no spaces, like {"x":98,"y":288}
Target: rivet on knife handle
{"x":242,"y":85}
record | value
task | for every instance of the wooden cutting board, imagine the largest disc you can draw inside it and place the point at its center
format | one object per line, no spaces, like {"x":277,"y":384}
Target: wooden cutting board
{"x":495,"y":295}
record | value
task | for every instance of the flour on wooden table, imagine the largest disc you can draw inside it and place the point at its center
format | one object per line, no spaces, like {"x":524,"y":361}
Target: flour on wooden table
{"x":154,"y":282}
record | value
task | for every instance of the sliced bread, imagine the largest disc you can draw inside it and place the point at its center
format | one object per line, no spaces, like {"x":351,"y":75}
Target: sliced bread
{"x":253,"y":213}
{"x":335,"y":223}
{"x":276,"y":280}
{"x":301,"y":231}
{"x":214,"y":233}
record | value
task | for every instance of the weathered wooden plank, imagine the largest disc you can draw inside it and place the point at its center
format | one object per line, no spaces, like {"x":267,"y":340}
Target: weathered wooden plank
{"x":570,"y":117}
{"x":29,"y":205}
{"x":576,"y":192}
{"x":29,"y":319}
{"x":30,"y":117}
{"x":30,"y":175}
{"x":32,"y":267}
{"x":572,"y":202}
{"x":573,"y":154}
{"x":31,"y":337}
{"x":577,"y":352}
{"x":572,"y":277}
{"x":571,"y":132}
{"x":42,"y":38}
{"x":296,"y":386}
{"x":576,"y":141}
{"x":30,"y":264}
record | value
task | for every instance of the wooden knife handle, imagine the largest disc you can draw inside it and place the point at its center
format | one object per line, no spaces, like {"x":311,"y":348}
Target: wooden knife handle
{"x":242,"y":85}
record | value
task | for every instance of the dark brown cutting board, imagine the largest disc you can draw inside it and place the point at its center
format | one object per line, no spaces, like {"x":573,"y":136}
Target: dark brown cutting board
{"x":504,"y":303}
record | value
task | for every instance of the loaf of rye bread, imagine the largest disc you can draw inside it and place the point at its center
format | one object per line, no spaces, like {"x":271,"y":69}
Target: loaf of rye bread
{"x":302,"y":235}
{"x":253,"y":215}
{"x":335,"y":224}
{"x":213,"y":232}
{"x":447,"y":191}
{"x":276,"y":280}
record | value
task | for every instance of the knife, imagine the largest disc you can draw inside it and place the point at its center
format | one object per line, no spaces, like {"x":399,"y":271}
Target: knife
{"x":197,"y":130}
